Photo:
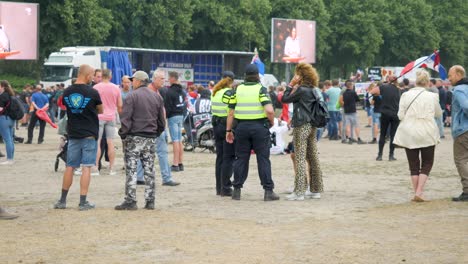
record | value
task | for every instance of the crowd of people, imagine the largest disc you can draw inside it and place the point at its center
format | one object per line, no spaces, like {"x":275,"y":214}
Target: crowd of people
{"x":411,"y":116}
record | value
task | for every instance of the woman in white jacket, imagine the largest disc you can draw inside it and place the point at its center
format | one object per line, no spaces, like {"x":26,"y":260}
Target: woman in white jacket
{"x":418,"y":132}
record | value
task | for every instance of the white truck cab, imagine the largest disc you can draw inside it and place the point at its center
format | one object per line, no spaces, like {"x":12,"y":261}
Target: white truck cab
{"x":62,"y":66}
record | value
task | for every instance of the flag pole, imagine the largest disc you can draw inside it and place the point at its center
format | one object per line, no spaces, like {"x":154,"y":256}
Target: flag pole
{"x":415,"y":66}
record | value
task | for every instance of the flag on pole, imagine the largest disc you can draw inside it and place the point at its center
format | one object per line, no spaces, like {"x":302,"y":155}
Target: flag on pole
{"x":430,"y":62}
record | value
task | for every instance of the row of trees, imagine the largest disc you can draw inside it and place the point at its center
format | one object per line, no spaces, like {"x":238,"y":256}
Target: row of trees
{"x":350,"y":33}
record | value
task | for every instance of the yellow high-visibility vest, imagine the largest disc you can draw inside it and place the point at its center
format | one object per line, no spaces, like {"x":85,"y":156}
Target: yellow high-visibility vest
{"x":219,"y":103}
{"x":249,"y":102}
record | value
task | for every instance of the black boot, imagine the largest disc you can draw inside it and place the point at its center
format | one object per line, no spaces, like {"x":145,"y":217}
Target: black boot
{"x":379,"y":157}
{"x":226,"y":192}
{"x":127,"y":206}
{"x":236,"y":194}
{"x":270,"y":195}
{"x":391,"y":157}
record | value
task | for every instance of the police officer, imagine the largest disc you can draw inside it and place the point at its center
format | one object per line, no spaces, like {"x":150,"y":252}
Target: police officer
{"x":251,"y":107}
{"x":225,"y":154}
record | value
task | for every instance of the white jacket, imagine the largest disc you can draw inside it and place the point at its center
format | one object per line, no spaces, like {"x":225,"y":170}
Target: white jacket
{"x":418,"y":128}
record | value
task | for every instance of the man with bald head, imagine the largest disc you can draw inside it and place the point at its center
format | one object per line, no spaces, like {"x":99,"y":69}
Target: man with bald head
{"x":83,"y":106}
{"x":457,"y":77}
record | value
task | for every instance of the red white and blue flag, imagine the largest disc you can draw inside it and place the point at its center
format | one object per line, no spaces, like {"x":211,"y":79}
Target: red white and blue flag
{"x":430,"y":62}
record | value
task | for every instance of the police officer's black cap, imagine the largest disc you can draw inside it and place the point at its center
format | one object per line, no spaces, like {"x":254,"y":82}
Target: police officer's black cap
{"x":251,"y":69}
{"x":229,"y":74}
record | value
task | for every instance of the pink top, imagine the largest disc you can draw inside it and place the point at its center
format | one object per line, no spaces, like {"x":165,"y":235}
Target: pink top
{"x":110,"y":95}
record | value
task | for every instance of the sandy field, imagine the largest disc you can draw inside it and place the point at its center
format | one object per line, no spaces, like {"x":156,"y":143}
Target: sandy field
{"x":365,"y":214}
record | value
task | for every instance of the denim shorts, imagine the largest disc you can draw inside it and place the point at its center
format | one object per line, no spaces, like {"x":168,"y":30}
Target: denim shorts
{"x":351,"y":119}
{"x":81,"y":152}
{"x":175,"y":127}
{"x":376,"y":118}
{"x":109,"y":127}
{"x":369,"y":111}
{"x":339,"y":116}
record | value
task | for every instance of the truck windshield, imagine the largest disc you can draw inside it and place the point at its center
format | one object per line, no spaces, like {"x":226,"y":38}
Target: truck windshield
{"x":56,"y":73}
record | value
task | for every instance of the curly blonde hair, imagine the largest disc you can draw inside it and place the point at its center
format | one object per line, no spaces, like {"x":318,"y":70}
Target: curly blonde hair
{"x":308,"y":74}
{"x":225,"y":82}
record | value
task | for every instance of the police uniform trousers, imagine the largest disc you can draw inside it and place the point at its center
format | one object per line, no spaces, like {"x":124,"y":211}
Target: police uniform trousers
{"x":144,"y":149}
{"x":225,"y":156}
{"x":252,"y":134}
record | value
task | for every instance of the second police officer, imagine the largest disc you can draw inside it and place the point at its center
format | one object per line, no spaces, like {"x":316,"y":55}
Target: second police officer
{"x":225,"y":155}
{"x":251,"y":107}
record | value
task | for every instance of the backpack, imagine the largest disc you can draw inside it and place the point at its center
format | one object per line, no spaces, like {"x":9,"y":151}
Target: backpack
{"x":319,"y":112}
{"x":15,"y":109}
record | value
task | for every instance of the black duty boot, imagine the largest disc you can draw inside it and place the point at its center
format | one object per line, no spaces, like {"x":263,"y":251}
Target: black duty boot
{"x":270,"y":195}
{"x":149,"y":205}
{"x":379,"y":157}
{"x":236,"y":194}
{"x":226,"y":192}
{"x":391,"y":157}
{"x":127,"y":206}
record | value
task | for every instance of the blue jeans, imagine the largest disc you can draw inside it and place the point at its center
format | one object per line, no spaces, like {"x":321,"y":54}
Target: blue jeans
{"x":164,"y":167}
{"x":7,"y":126}
{"x":333,"y":124}
{"x":319,"y":133}
{"x":440,"y":125}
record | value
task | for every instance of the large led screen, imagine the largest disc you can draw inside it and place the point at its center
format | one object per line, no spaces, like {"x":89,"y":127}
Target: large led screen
{"x":292,"y":41}
{"x":18,"y":31}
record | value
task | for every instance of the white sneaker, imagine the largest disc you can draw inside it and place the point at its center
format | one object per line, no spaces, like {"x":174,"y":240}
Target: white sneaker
{"x":290,"y":190}
{"x":112,"y":173}
{"x":7,"y":162}
{"x":77,"y":172}
{"x":294,"y":197}
{"x":312,"y":195}
{"x":94,"y":172}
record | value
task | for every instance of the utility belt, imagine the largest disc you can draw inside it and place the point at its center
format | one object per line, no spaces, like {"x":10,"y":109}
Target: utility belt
{"x":217,"y":120}
{"x":260,"y":120}
{"x":263,"y":121}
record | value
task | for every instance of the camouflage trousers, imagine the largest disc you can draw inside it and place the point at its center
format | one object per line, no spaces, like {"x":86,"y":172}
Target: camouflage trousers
{"x":144,"y":149}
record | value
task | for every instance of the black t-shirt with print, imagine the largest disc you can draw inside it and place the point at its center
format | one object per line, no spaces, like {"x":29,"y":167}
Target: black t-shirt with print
{"x":81,"y":101}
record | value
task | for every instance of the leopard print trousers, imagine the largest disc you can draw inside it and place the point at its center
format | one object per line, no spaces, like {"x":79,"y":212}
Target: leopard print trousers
{"x":305,"y":148}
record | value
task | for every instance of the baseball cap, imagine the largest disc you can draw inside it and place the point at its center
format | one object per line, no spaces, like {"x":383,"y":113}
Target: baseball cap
{"x":229,"y":74}
{"x":140,"y":75}
{"x":251,"y":69}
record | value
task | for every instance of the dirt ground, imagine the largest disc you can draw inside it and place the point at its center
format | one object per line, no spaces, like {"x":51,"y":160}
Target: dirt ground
{"x":365,"y":214}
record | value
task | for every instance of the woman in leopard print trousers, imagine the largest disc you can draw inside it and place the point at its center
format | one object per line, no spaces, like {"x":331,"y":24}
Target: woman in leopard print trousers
{"x":301,"y":93}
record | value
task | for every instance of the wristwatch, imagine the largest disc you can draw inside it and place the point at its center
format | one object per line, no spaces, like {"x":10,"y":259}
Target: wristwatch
{"x":229,"y":131}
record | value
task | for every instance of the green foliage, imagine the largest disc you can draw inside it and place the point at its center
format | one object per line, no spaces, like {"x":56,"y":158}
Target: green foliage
{"x":350,"y":33}
{"x":451,"y":22}
{"x":408,"y":38}
{"x":17,"y":82}
{"x":357,"y":32}
{"x":230,"y":25}
{"x":72,"y":23}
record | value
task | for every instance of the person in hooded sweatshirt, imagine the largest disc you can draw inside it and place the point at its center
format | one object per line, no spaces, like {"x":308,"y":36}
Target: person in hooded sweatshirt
{"x":176,"y":107}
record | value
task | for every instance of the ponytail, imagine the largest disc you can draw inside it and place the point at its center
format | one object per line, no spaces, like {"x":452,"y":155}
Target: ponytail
{"x":225,"y":82}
